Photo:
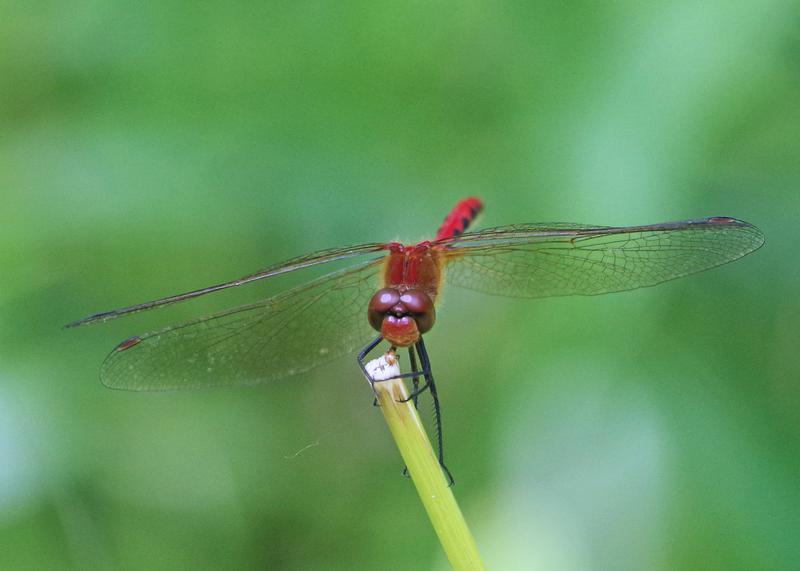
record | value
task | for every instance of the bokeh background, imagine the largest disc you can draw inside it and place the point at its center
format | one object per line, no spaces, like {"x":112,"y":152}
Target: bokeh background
{"x":151,"y":149}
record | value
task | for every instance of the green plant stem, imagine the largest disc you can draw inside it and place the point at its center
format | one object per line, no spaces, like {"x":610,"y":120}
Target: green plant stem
{"x":427,"y":476}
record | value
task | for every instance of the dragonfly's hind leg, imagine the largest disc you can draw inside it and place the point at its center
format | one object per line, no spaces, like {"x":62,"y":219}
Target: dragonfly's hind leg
{"x":426,"y":369}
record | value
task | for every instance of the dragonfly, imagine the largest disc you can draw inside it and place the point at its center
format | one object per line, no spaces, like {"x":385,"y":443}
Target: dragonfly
{"x":393,"y":289}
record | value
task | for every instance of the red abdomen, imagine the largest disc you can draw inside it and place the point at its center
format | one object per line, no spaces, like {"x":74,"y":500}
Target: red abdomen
{"x":459,"y":218}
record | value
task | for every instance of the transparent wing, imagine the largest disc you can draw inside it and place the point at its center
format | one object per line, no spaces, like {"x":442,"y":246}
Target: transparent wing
{"x":321,"y":257}
{"x":280,"y":336}
{"x":555,"y":259}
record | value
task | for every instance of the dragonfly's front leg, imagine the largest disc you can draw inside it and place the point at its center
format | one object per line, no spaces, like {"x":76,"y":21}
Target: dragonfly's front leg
{"x":362,"y":355}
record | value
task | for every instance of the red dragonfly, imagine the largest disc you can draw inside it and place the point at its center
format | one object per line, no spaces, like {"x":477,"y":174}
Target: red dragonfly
{"x":313,"y":323}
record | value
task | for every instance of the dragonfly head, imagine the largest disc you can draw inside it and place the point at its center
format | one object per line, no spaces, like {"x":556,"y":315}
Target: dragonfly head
{"x":401,"y":317}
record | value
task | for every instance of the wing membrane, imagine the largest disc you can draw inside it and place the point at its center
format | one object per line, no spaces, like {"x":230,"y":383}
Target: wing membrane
{"x":557,"y":259}
{"x":290,"y":333}
{"x":321,"y":257}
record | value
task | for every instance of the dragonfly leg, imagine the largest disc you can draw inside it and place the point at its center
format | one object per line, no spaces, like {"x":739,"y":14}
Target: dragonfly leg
{"x":362,"y":355}
{"x":426,"y":369}
{"x":412,"y":359}
{"x":403,"y":376}
{"x":415,"y":379}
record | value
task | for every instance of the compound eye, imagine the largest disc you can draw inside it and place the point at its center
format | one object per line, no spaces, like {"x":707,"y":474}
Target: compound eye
{"x":383,"y":300}
{"x":420,"y":305}
{"x":425,"y":320}
{"x":416,"y":301}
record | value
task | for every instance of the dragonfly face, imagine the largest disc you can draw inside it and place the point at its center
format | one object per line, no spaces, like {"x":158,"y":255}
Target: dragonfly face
{"x":401,"y":317}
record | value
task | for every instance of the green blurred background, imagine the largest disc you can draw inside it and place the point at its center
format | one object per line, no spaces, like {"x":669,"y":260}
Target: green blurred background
{"x":150,"y":149}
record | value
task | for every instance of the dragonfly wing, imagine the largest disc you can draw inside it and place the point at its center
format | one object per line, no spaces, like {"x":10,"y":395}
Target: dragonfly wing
{"x":290,"y":333}
{"x":541,"y":260}
{"x":308,"y":260}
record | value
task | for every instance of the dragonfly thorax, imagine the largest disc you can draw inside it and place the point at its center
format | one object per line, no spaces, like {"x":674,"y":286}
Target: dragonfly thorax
{"x":401,"y":317}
